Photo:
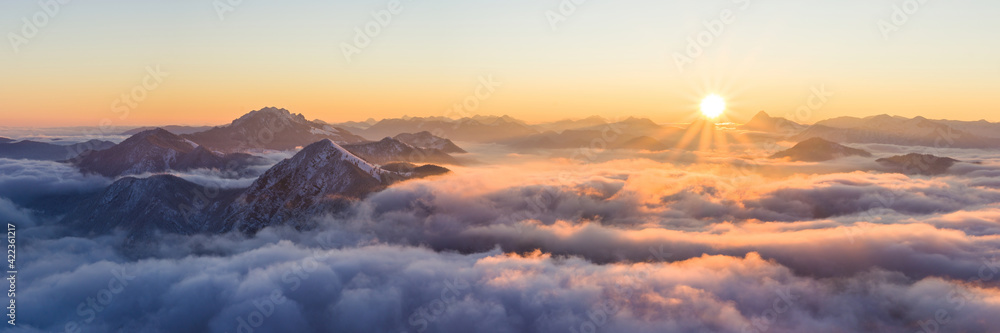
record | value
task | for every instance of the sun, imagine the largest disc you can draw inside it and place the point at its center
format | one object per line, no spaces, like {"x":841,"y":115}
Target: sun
{"x":713,"y":106}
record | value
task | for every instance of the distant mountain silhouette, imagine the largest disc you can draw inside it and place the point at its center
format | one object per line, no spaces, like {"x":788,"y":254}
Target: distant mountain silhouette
{"x":6,"y":140}
{"x":572,"y":124}
{"x":390,"y":150}
{"x":895,"y":130}
{"x":921,"y":164}
{"x":633,"y":125}
{"x":33,"y":150}
{"x":429,"y":141}
{"x":762,"y":122}
{"x":475,"y":129}
{"x":270,"y":129}
{"x":604,"y":136}
{"x":353,"y":126}
{"x":179,"y":130}
{"x":568,"y":139}
{"x":818,"y":150}
{"x":981,"y":128}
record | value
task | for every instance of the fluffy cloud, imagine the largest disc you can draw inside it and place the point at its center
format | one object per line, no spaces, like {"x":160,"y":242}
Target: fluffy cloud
{"x":24,"y":180}
{"x":281,"y":286}
{"x":552,"y":245}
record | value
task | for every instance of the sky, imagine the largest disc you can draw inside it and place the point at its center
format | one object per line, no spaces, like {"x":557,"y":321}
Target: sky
{"x":206,"y":62}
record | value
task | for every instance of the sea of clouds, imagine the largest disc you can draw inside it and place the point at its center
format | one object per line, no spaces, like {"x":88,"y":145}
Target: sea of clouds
{"x":628,"y":243}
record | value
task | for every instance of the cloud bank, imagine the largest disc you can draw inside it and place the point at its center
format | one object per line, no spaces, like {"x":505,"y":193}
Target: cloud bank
{"x":551,"y":245}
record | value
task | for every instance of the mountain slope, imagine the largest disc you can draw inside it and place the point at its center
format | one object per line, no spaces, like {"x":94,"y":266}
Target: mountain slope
{"x":321,"y":177}
{"x":142,"y":206}
{"x":818,"y":150}
{"x":157,"y":151}
{"x":429,"y":141}
{"x":270,"y":129}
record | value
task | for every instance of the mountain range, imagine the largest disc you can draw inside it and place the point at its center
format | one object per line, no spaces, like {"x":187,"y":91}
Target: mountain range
{"x":323,"y":177}
{"x":338,"y":167}
{"x":763,"y":122}
{"x":270,"y":129}
{"x":179,"y":130}
{"x":42,"y":151}
{"x":158,"y":150}
{"x":390,"y":150}
{"x":427,"y":140}
{"x":885,"y":129}
{"x":478,"y":129}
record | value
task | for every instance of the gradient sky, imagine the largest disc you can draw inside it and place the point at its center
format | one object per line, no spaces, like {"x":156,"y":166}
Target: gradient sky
{"x":610,"y":58}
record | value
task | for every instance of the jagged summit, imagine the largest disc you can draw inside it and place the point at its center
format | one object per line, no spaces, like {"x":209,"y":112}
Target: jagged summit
{"x":270,"y":129}
{"x":269,"y":112}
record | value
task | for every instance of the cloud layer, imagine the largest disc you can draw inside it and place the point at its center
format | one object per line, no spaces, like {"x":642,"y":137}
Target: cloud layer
{"x":715,"y":244}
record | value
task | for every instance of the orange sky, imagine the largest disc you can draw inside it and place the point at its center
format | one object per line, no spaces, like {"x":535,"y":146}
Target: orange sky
{"x":609,"y":59}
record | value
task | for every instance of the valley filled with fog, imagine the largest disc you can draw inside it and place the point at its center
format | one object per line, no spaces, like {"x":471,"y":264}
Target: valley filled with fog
{"x":489,"y":224}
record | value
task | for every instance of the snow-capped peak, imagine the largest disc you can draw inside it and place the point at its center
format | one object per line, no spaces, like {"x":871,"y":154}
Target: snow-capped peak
{"x":345,"y":155}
